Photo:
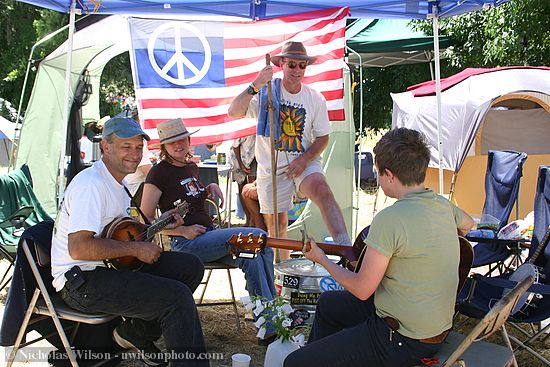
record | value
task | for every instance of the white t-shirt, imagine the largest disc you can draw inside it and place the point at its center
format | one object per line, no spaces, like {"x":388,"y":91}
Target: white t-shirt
{"x":93,"y":199}
{"x":133,"y":180}
{"x":304,"y":117}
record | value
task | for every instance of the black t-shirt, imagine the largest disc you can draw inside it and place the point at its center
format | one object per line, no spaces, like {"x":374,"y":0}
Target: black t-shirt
{"x":181,"y":183}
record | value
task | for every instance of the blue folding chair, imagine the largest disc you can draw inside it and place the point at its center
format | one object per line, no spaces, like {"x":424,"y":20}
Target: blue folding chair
{"x":504,"y":171}
{"x":481,"y":293}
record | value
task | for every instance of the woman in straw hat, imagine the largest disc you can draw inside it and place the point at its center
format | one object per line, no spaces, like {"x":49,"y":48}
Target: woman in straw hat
{"x":177,"y":178}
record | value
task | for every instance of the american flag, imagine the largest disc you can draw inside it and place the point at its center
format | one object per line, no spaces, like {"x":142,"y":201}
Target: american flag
{"x":193,"y":70}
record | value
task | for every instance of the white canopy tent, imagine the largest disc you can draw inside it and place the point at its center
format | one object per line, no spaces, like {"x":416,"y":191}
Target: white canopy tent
{"x":255,"y":10}
{"x":93,"y":47}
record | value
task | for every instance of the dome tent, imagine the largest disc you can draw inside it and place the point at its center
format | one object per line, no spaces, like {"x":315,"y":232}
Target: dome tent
{"x":500,"y":109}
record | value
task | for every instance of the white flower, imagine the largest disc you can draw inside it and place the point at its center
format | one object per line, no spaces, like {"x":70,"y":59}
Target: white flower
{"x":299,"y":339}
{"x":260,"y":321}
{"x":259,"y":308}
{"x":287,"y":309}
{"x":261,"y":333}
{"x":287,"y":322}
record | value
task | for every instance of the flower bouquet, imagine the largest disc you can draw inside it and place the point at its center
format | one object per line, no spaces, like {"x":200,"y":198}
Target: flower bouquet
{"x":278,"y":316}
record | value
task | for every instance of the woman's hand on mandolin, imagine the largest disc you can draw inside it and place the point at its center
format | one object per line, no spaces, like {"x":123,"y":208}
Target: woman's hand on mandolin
{"x":178,"y":220}
{"x":147,"y":252}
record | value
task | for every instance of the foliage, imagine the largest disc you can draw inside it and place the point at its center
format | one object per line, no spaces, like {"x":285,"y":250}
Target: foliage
{"x":21,"y":25}
{"x":116,"y":85}
{"x":516,"y":33}
{"x":377,"y":85}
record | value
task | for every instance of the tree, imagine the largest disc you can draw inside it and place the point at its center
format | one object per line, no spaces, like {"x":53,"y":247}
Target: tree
{"x":516,"y":33}
{"x":21,"y":25}
{"x":115,"y":80}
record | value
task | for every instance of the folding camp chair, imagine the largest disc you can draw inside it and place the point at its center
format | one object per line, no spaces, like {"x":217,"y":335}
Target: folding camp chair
{"x":365,"y":172}
{"x":19,"y":209}
{"x":471,"y":350}
{"x":14,"y":224}
{"x":44,"y":304}
{"x":480,"y":293}
{"x":502,"y":179}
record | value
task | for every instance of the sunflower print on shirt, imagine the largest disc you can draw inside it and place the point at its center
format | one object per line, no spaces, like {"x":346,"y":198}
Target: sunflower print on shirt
{"x":292,"y":119}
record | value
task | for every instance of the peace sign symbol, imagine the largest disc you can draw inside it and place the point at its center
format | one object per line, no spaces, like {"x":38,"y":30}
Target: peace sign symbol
{"x":175,"y":30}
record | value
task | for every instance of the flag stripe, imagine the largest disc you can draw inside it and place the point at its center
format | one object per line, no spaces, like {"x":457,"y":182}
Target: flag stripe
{"x":236,"y":53}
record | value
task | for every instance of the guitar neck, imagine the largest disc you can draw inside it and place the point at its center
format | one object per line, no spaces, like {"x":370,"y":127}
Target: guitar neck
{"x":328,"y":248}
{"x":540,"y":247}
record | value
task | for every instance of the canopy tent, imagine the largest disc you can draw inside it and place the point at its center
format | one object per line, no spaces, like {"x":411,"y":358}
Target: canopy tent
{"x":262,"y":9}
{"x":250,"y":9}
{"x":386,"y":42}
{"x":93,"y":47}
{"x":7,"y":129}
{"x":498,"y":109}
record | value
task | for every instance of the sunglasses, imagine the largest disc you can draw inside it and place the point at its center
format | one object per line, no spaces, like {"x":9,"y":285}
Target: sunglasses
{"x":293,"y":64}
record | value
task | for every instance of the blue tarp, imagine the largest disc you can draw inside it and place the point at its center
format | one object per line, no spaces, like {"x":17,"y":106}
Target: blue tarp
{"x":261,"y":9}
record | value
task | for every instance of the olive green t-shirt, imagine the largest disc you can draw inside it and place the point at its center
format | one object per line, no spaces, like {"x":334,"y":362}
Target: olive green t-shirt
{"x":419,"y":235}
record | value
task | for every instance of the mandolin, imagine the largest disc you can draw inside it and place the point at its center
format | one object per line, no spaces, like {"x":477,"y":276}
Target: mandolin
{"x":129,"y":229}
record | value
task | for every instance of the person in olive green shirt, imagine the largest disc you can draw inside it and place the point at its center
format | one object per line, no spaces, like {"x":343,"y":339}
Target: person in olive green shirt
{"x":398,"y":308}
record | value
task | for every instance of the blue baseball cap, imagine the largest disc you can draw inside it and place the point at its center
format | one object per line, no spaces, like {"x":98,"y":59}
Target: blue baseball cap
{"x":124,"y":128}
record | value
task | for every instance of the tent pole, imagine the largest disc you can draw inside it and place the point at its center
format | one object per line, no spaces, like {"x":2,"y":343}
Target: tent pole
{"x":66,"y":105}
{"x":358,"y":187}
{"x":429,"y":58}
{"x":438,"y":94}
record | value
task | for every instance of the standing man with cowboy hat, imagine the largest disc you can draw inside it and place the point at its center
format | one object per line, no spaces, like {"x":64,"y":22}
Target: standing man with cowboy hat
{"x":302,"y":131}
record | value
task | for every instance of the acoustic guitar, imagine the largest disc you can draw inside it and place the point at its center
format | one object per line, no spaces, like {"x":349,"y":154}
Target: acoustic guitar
{"x":129,"y":229}
{"x":247,"y":246}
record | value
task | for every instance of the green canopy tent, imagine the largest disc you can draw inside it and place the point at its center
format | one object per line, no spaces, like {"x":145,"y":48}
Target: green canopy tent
{"x":387,"y":42}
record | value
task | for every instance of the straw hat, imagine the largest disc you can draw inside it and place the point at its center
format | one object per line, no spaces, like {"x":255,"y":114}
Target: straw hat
{"x":295,"y":51}
{"x":170,"y":131}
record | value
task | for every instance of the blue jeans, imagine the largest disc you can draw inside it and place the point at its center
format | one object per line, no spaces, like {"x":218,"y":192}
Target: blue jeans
{"x":347,"y":332}
{"x":159,"y":298}
{"x":212,"y":246}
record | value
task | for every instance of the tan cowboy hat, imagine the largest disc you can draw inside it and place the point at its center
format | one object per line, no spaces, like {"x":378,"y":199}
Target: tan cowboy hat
{"x":170,"y":131}
{"x":295,"y":51}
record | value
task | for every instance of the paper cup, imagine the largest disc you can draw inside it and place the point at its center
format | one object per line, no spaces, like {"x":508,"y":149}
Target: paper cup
{"x":240,"y":360}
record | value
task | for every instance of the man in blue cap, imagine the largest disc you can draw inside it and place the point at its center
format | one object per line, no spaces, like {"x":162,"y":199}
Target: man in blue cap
{"x":158,"y":298}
